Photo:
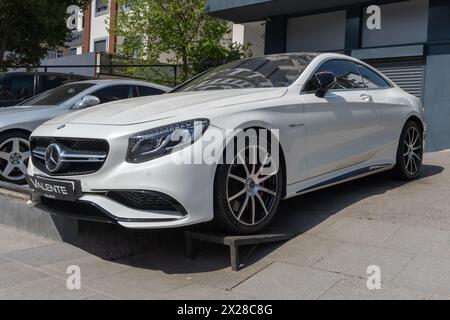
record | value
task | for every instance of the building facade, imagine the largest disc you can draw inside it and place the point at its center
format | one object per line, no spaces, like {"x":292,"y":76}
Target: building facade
{"x":412,"y":47}
{"x":93,"y":30}
{"x":94,"y":25}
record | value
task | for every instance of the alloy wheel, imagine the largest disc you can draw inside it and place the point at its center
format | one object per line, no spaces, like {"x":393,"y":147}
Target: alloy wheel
{"x":14,"y":156}
{"x":412,"y":151}
{"x":252,"y":185}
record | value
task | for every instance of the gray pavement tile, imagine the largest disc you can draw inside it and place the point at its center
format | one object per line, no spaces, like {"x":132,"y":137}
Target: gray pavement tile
{"x":353,"y":259}
{"x":323,"y":225}
{"x":360,"y":230}
{"x":46,"y":254}
{"x":100,"y":297}
{"x":12,"y":274}
{"x":49,"y":288}
{"x":137,"y":284}
{"x":225,"y":278}
{"x":421,"y":240}
{"x":13,"y":240}
{"x":91,"y":267}
{"x":356,"y":289}
{"x":211,"y":265}
{"x":202,"y":292}
{"x":304,"y":250}
{"x":427,"y":273}
{"x":4,"y":260}
{"x":436,"y":218}
{"x":286,"y":281}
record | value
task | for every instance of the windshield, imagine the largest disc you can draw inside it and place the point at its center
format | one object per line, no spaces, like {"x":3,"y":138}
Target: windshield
{"x":58,"y":95}
{"x":260,"y":72}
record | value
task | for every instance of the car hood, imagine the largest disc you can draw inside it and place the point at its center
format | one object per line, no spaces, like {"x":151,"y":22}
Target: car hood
{"x":146,"y":109}
{"x":13,"y":116}
{"x":21,"y":109}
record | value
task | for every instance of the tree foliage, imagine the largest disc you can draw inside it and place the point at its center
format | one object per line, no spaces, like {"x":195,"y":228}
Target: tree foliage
{"x":30,"y":28}
{"x":180,"y":31}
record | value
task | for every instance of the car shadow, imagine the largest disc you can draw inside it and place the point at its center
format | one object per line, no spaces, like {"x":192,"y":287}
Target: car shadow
{"x":164,"y":250}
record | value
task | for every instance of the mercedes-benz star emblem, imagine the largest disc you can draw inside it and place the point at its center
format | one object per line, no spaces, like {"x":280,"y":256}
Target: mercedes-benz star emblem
{"x":53,"y":157}
{"x":61,"y":127}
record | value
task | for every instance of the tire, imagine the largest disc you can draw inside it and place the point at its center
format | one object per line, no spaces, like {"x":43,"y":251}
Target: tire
{"x":409,"y":152}
{"x":255,"y":208}
{"x":14,"y":156}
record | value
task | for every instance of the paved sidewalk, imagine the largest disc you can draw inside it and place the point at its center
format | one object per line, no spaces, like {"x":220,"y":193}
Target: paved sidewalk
{"x":404,"y":228}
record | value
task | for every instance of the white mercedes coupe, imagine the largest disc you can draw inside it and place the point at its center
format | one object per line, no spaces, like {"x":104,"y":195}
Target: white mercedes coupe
{"x":228,"y":145}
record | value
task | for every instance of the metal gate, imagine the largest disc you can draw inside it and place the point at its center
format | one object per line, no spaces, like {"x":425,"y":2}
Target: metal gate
{"x":408,"y":74}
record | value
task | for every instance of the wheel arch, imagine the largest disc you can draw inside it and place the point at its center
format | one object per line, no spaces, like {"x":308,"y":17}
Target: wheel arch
{"x":417,"y":120}
{"x":11,"y":130}
{"x":282,"y":155}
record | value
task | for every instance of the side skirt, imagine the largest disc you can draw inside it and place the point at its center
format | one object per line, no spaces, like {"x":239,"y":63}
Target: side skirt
{"x":359,"y":173}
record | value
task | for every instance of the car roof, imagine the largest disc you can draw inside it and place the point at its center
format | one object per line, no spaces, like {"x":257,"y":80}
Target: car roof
{"x":22,"y":73}
{"x":125,"y":82}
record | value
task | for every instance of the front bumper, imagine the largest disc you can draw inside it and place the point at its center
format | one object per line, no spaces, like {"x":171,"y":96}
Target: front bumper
{"x":188,"y":186}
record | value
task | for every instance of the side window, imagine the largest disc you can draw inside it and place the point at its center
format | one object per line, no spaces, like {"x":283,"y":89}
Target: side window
{"x":53,"y":81}
{"x":372,"y":79}
{"x":346,"y":72}
{"x":148,"y":91}
{"x":113,"y":93}
{"x":17,"y":88}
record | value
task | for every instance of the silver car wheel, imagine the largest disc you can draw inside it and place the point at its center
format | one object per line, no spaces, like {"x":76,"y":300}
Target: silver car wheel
{"x":412,"y":151}
{"x":14,"y":156}
{"x":251,"y":191}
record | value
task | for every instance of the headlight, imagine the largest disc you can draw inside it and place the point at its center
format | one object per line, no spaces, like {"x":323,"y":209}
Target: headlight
{"x":157,"y":142}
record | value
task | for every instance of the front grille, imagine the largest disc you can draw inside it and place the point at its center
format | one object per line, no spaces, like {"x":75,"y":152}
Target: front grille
{"x":77,"y":146}
{"x":146,"y":200}
{"x":84,"y":210}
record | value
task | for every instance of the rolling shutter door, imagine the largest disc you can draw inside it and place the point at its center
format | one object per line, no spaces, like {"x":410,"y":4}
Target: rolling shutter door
{"x":407,"y":74}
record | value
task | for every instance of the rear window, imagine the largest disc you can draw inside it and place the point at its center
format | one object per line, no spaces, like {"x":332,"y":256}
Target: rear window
{"x":371,"y":79}
{"x":17,"y":87}
{"x":53,"y":81}
{"x":148,"y":91}
{"x":59,"y":95}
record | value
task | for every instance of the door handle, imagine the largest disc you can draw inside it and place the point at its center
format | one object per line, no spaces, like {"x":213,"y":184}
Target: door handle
{"x":366,"y":97}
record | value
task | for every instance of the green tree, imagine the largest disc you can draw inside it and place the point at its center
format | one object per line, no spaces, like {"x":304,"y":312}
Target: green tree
{"x":181,"y":30}
{"x":30,"y":28}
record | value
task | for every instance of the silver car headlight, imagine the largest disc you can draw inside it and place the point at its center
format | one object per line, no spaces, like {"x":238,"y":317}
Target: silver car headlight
{"x":154,"y":143}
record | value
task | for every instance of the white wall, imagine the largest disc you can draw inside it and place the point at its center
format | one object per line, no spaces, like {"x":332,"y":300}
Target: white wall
{"x":252,"y":32}
{"x":238,"y":33}
{"x":319,"y":32}
{"x":401,"y":23}
{"x":99,"y":26}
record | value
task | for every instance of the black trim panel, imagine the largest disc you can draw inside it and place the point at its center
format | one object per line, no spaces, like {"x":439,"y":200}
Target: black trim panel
{"x":174,"y":203}
{"x":108,"y":217}
{"x":345,"y":176}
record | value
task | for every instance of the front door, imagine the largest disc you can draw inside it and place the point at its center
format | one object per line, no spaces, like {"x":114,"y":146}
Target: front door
{"x":342,"y":126}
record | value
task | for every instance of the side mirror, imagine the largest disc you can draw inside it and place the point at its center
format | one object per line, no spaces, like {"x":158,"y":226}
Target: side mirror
{"x":325,"y":81}
{"x":86,"y":102}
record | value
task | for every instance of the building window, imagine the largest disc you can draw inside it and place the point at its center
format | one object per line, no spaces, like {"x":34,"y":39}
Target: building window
{"x":72,"y":51}
{"x":55,"y":54}
{"x":101,"y":6}
{"x":100,"y":46}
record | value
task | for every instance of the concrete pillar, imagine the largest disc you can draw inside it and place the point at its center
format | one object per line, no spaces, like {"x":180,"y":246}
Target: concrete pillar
{"x":353,"y":26}
{"x":437,"y":76}
{"x":276,"y":35}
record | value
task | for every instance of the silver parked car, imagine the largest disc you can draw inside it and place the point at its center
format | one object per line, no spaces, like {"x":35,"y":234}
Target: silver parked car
{"x":17,"y":123}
